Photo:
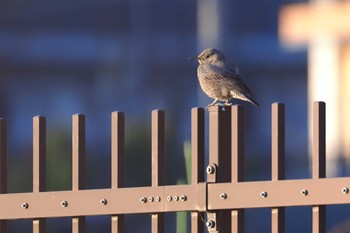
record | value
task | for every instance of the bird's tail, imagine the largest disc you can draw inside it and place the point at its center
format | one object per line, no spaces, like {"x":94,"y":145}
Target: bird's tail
{"x":251,"y":100}
{"x":245,"y":97}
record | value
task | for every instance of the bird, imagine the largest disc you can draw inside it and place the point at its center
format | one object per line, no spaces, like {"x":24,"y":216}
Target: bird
{"x":220,"y":79}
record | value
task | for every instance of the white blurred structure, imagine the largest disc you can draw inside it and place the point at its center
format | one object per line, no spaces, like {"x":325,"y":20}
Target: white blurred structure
{"x":325,"y":27}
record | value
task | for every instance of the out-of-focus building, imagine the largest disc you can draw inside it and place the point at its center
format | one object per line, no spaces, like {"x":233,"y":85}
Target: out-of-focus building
{"x":325,"y":27}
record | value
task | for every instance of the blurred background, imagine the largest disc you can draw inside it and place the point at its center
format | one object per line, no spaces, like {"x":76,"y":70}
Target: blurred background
{"x":58,"y":58}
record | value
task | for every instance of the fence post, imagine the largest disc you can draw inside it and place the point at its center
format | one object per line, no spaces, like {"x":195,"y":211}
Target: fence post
{"x":3,"y":166}
{"x":118,"y":163}
{"x":319,"y":161}
{"x":278,"y":161}
{"x":237,"y":157}
{"x":197,"y":153}
{"x":78,"y":164}
{"x":39,"y":165}
{"x":219,"y":169}
{"x":158,"y":163}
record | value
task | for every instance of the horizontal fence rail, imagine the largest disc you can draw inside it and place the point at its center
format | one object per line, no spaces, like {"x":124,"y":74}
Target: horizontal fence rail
{"x":219,"y":200}
{"x":103,"y":202}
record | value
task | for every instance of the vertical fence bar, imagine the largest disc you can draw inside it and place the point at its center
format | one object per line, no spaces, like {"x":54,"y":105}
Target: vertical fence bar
{"x":39,"y":165}
{"x":158,"y":163}
{"x":3,"y":166}
{"x":220,"y":158}
{"x":237,"y":160}
{"x":118,"y":164}
{"x":237,"y":118}
{"x":319,"y":161}
{"x":220,"y":141}
{"x":278,"y":161}
{"x":197,"y":152}
{"x":78,"y":164}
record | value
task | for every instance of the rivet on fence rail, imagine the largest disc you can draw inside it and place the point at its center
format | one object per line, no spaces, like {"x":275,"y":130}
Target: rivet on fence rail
{"x":64,"y":203}
{"x":223,"y":196}
{"x":25,"y":205}
{"x":103,"y":201}
{"x":304,"y":192}
{"x":210,"y":169}
{"x":210,"y":224}
{"x":143,"y":199}
{"x":263,"y":194}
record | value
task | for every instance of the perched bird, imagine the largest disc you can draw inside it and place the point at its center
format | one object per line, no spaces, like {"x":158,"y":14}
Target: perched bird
{"x":220,"y":79}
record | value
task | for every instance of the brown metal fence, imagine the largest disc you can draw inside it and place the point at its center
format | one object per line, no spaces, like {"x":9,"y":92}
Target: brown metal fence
{"x":222,"y":198}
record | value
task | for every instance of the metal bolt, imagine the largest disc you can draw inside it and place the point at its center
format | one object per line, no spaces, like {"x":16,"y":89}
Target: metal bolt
{"x":263,"y":194}
{"x":103,"y":201}
{"x":151,"y":199}
{"x":158,"y":199}
{"x":176,"y":198}
{"x":223,"y":196}
{"x":304,"y":192}
{"x":210,"y":224}
{"x":183,"y":198}
{"x":25,"y":205}
{"x":210,"y":169}
{"x":143,"y":199}
{"x":345,"y":190}
{"x":64,"y":203}
{"x":169,"y":198}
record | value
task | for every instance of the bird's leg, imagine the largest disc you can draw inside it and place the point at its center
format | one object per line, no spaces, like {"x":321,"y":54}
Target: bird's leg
{"x":227,"y":103}
{"x":214,"y":102}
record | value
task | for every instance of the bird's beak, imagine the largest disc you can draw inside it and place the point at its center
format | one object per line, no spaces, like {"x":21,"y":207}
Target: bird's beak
{"x":192,"y":58}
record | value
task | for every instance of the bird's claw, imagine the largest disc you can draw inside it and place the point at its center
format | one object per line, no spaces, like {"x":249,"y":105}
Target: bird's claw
{"x":209,"y":105}
{"x":218,"y":104}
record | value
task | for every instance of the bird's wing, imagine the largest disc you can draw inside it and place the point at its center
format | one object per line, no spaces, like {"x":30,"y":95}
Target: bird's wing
{"x":225,"y":75}
{"x":234,"y":80}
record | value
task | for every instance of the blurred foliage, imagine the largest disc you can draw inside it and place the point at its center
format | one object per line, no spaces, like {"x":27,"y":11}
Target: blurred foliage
{"x":20,"y":171}
{"x":188,"y":161}
{"x":58,"y":161}
{"x":137,"y":151}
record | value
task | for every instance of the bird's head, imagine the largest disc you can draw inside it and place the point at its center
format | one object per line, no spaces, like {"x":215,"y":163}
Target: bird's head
{"x":210,"y":56}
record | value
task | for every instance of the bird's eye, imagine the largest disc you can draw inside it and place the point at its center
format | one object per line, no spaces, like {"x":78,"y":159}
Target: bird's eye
{"x":207,"y":56}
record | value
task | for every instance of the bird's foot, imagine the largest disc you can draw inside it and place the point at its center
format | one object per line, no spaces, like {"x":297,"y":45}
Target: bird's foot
{"x":227,"y":103}
{"x":209,"y":105}
{"x":213,"y":103}
{"x":219,"y":104}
